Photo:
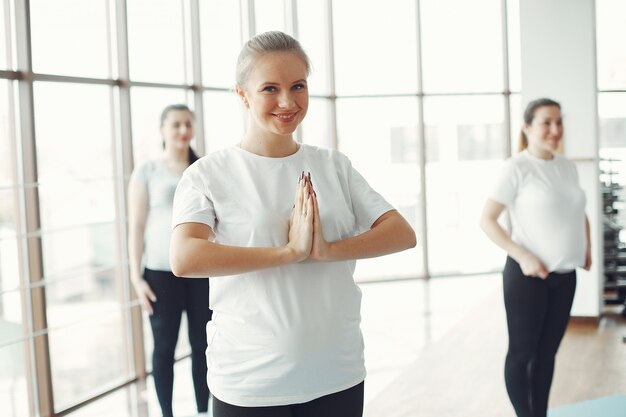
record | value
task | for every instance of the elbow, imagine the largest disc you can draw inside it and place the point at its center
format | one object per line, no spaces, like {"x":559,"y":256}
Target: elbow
{"x":485,"y":222}
{"x":178,"y":264}
{"x":411,"y":239}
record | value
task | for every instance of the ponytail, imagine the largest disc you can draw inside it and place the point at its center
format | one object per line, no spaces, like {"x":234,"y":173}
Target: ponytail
{"x":523,"y":141}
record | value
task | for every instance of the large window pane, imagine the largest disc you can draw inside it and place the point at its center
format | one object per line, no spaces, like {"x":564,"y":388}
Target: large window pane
{"x":147,"y":104}
{"x":13,"y":387}
{"x":269,"y":15}
{"x":93,"y":293}
{"x":517,"y":120}
{"x":375,"y":49}
{"x":7,"y":148}
{"x":88,"y":357}
{"x":69,"y":37}
{"x":10,"y":295}
{"x":6,"y":34}
{"x":316,"y":128}
{"x":313,"y":36}
{"x":461,"y":45}
{"x":156,"y":41}
{"x":466,"y":139}
{"x":220,"y":31}
{"x":514,"y":46}
{"x":81,"y":250}
{"x":611,"y":32}
{"x":75,"y":167}
{"x":224,"y":119}
{"x":380,"y":137}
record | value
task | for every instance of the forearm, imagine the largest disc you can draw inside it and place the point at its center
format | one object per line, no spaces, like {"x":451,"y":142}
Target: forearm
{"x":135,"y":253}
{"x":392,"y":234}
{"x":199,"y":258}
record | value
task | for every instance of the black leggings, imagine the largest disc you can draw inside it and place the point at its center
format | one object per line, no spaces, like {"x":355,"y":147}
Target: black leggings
{"x":173,"y":296}
{"x":347,"y":403}
{"x":537,"y":312}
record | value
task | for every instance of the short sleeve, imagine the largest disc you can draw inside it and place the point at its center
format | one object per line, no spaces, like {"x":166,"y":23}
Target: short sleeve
{"x":142,"y":173}
{"x":507,"y":184}
{"x":192,"y":203}
{"x":367,"y":204}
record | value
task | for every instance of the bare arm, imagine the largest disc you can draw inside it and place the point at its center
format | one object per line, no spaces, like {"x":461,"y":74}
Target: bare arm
{"x":137,"y":215}
{"x":193,"y":255}
{"x":529,"y":263}
{"x":390,"y":233}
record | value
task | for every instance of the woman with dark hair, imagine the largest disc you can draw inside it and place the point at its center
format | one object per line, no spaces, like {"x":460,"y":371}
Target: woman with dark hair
{"x":150,"y":196}
{"x":549,"y":240}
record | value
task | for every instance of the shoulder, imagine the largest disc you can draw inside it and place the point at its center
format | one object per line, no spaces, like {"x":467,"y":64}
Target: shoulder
{"x":146,"y":169}
{"x":216,"y":162}
{"x":333,"y":156}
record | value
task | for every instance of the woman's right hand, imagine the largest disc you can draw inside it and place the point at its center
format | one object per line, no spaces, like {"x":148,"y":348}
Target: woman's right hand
{"x":301,"y":221}
{"x":145,"y":295}
{"x":532,"y":266}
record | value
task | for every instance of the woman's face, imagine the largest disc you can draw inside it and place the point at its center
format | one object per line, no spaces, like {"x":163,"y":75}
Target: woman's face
{"x":276,"y":93}
{"x":546,"y":130}
{"x":177,"y":129}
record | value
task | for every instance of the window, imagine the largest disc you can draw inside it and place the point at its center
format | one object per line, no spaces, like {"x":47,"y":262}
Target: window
{"x":461,"y":45}
{"x":69,"y":37}
{"x":366,"y":56}
{"x":156,"y":42}
{"x":380,"y":137}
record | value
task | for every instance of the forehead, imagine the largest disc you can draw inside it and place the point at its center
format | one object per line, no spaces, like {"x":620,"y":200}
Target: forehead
{"x":278,"y":67}
{"x":177,"y":115}
{"x":548,"y":112}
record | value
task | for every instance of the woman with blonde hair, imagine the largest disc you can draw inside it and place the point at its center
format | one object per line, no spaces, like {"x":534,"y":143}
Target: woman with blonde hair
{"x":278,"y":226}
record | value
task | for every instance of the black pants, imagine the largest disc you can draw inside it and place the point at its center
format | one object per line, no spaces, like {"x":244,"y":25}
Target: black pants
{"x":347,"y":403}
{"x":173,"y":296}
{"x":537,"y":312}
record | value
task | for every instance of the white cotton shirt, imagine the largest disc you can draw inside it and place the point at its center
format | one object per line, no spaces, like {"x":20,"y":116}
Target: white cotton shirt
{"x":160,"y":183}
{"x":289,"y":334}
{"x":547,"y":208}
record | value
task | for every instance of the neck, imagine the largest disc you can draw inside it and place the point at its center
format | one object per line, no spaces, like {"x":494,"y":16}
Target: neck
{"x":272,"y":147}
{"x":176,"y":155}
{"x":540,"y":153}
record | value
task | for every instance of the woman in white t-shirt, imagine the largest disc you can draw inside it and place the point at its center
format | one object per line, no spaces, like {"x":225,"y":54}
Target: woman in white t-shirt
{"x":549,"y":240}
{"x":278,"y":225}
{"x":150,"y":198}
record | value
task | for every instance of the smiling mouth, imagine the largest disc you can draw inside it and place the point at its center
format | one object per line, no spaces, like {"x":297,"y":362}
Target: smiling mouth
{"x":285,"y":117}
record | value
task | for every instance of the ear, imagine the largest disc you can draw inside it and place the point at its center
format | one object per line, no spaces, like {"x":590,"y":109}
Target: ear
{"x":525,"y":128}
{"x":242,"y":95}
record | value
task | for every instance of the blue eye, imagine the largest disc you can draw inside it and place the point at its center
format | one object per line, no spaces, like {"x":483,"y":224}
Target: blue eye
{"x":270,"y":89}
{"x":300,"y":86}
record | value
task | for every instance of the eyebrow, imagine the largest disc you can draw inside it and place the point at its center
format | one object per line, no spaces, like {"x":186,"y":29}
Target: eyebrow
{"x":266,"y":83}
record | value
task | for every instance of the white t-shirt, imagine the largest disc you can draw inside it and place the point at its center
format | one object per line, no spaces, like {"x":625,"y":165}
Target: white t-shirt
{"x":288,"y":334}
{"x":161,"y":185}
{"x":547,"y":207}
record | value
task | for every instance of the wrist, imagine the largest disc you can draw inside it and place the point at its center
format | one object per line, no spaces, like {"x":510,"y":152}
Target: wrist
{"x":287,"y":255}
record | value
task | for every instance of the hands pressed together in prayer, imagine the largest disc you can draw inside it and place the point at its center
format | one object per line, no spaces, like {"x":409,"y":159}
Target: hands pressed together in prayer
{"x":306,"y":237}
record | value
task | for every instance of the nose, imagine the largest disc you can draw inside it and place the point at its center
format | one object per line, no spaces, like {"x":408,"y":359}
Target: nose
{"x":555,"y":129}
{"x":285,"y":100}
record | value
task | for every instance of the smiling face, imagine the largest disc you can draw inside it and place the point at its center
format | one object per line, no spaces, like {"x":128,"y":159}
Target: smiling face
{"x":545,"y":131}
{"x":177,"y":129}
{"x":276,"y":94}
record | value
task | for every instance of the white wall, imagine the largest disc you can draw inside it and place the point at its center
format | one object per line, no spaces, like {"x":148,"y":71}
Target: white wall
{"x":559,"y":62}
